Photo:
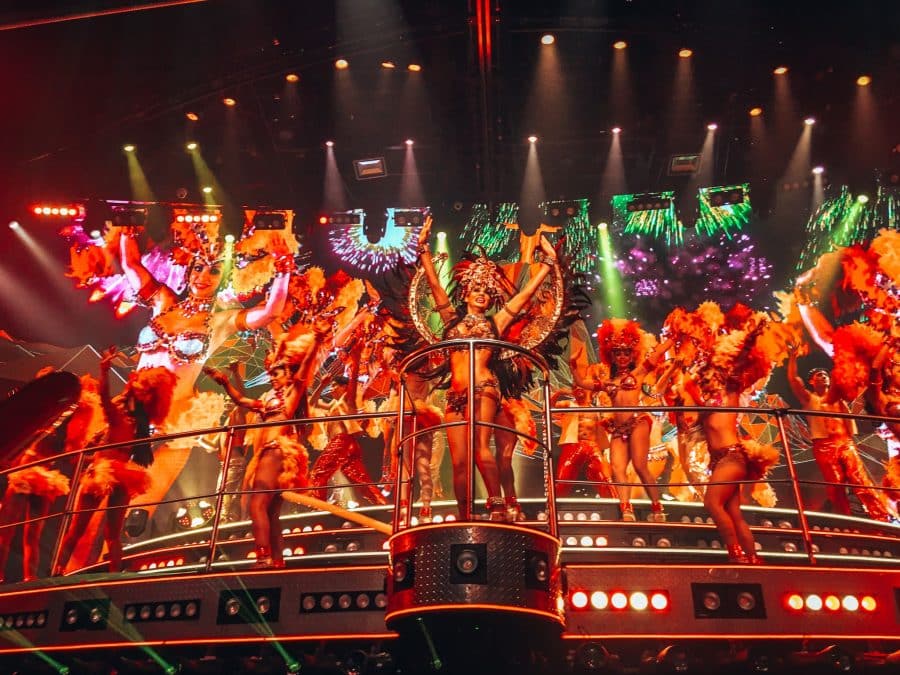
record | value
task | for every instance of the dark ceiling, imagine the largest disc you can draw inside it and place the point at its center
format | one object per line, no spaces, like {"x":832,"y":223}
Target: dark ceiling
{"x":75,"y":91}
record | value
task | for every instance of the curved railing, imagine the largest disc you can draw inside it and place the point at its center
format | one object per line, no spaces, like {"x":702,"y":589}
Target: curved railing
{"x":796,"y":489}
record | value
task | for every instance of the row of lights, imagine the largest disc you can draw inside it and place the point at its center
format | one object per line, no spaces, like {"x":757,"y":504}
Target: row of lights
{"x":326,"y":602}
{"x":162,"y":611}
{"x":23,"y":620}
{"x":47,"y":210}
{"x":162,"y":564}
{"x":618,"y":600}
{"x":343,"y":64}
{"x":816,"y":603}
{"x":198,"y":218}
{"x":686,"y":53}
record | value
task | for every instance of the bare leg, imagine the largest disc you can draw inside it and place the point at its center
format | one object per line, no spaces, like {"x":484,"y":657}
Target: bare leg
{"x":618,"y":456}
{"x":639,"y":443}
{"x":276,"y":538}
{"x":86,"y":504}
{"x":266,"y":478}
{"x":14,"y":509}
{"x":31,"y":536}
{"x":718,"y":496}
{"x":115,"y":517}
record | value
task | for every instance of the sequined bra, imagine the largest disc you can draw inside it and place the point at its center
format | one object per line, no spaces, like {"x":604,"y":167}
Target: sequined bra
{"x":184,"y":347}
{"x":472,"y":326}
{"x":628,"y":383}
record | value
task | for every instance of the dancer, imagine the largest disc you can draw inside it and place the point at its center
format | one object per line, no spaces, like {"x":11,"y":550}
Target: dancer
{"x":280,"y":462}
{"x":119,"y":474}
{"x":832,"y":442}
{"x":184,"y":331}
{"x":343,"y":452}
{"x":582,"y":443}
{"x":30,"y":492}
{"x":480,"y":286}
{"x":884,"y":384}
{"x":739,"y":359}
{"x":622,"y":350}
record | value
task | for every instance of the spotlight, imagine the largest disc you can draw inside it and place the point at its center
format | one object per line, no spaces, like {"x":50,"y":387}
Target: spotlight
{"x":780,"y":70}
{"x":207,"y":189}
{"x":617,"y":130}
{"x":532,"y":139}
{"x":292,"y":77}
{"x":192,"y":116}
{"x":548,"y":39}
{"x":818,"y":170}
{"x":809,"y":121}
{"x":863,"y":80}
{"x":230,"y":102}
{"x":329,"y":144}
{"x":603,"y":226}
{"x":409,"y":142}
{"x":712,"y":126}
{"x":863,"y":199}
{"x":685,"y":53}
{"x":191,"y":146}
{"x":441,"y":236}
{"x":229,"y":238}
{"x":621,"y":44}
{"x":128,"y":147}
{"x":14,"y":225}
{"x":342,"y":64}
{"x":95,"y":234}
{"x":414,"y":68}
{"x":390,"y":65}
{"x":755,"y":112}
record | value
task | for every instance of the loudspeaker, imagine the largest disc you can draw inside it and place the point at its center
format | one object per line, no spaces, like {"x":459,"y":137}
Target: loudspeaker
{"x":135,"y":522}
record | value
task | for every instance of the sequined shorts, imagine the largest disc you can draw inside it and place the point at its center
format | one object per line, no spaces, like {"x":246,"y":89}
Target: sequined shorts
{"x":623,"y":430}
{"x":457,"y":401}
{"x":730,"y":453}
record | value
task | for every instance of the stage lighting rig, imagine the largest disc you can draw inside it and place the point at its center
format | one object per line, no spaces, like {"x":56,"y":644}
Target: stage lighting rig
{"x":559,"y":212}
{"x":723,"y":209}
{"x":342,"y":218}
{"x":367,"y":169}
{"x":648,"y":213}
{"x":410,"y":217}
{"x":269,"y":220}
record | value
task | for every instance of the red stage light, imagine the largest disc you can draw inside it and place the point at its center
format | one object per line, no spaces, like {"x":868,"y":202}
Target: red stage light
{"x":795,"y":602}
{"x":323,"y":220}
{"x":619,"y":600}
{"x":639,"y":601}
{"x":868,"y":603}
{"x":230,"y":102}
{"x":833,"y":603}
{"x":599,"y":600}
{"x":579,"y":599}
{"x":659,"y":601}
{"x":814,"y":602}
{"x":192,"y":116}
{"x":37,"y":210}
{"x":850,"y":603}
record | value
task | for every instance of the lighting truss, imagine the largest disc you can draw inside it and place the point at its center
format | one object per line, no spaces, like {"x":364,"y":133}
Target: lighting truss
{"x":652,"y":214}
{"x":723,"y":210}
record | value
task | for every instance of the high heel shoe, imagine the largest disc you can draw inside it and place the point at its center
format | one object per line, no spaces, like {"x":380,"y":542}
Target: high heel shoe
{"x":736,"y":554}
{"x":425,"y":513}
{"x":514,"y":510}
{"x":497,"y":508}
{"x":627,"y":511}
{"x":657,"y":515}
{"x":263,"y":558}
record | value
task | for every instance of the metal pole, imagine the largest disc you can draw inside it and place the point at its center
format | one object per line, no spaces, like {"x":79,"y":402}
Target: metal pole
{"x":217,"y":517}
{"x":470,"y":408}
{"x":398,"y":440}
{"x":548,"y":462}
{"x":804,"y":525}
{"x":67,"y":512}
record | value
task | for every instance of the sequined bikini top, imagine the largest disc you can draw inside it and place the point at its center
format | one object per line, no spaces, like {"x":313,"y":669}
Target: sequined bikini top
{"x":472,"y":326}
{"x":272,"y":406}
{"x":628,"y":383}
{"x":184,"y":347}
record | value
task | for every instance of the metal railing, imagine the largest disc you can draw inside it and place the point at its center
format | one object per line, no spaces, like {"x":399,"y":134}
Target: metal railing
{"x":403,"y":480}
